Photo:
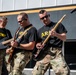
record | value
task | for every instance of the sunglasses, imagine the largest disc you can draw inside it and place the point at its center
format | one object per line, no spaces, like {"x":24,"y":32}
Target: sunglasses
{"x":44,"y":17}
{"x":22,"y":20}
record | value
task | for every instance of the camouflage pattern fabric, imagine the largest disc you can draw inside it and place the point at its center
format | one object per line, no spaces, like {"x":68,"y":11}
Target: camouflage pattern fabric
{"x":18,"y":63}
{"x":53,"y":58}
{"x":2,"y":52}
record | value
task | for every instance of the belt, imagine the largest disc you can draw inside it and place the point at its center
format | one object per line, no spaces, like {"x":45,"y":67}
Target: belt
{"x":54,"y":51}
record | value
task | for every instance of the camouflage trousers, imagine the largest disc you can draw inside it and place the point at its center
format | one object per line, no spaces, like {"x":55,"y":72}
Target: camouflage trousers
{"x":52,"y":57}
{"x":2,"y":52}
{"x":18,"y":63}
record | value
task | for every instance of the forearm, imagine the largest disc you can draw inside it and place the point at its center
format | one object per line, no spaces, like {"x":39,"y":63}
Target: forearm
{"x":29,"y":46}
{"x":61,"y":36}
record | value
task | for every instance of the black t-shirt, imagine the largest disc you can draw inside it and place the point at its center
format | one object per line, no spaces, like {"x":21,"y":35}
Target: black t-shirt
{"x":53,"y":41}
{"x":5,"y":34}
{"x":29,"y":37}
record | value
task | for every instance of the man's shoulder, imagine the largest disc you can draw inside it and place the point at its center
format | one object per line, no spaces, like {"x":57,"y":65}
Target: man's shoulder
{"x":41,"y":28}
{"x":53,"y":23}
{"x":33,"y":28}
{"x":7,"y":30}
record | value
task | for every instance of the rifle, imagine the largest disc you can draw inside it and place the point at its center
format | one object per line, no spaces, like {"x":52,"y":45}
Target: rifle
{"x":12,"y":48}
{"x":18,"y":39}
{"x":3,"y":44}
{"x":39,"y":52}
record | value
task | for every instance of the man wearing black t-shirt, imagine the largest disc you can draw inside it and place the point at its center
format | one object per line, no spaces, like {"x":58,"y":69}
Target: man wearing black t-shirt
{"x":52,"y":54}
{"x":4,"y":35}
{"x":23,"y":47}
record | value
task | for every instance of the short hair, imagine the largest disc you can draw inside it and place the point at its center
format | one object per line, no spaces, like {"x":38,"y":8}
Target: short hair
{"x":3,"y":18}
{"x":23,"y":15}
{"x":42,"y":11}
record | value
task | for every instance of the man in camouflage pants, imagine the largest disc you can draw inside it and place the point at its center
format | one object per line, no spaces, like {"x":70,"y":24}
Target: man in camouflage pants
{"x":51,"y":56}
{"x":4,"y":35}
{"x":23,"y":47}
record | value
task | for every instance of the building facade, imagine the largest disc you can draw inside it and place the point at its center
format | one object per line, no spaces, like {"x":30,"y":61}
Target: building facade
{"x":9,"y":5}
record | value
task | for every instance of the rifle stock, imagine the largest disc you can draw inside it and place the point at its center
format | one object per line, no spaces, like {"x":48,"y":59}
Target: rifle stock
{"x":7,"y":41}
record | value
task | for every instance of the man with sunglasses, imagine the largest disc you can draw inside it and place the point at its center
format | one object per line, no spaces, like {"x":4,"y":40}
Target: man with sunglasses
{"x":5,"y":34}
{"x":23,"y":47}
{"x":52,"y":54}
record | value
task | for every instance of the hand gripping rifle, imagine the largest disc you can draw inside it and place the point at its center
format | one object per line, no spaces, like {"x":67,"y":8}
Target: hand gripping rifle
{"x":39,"y":52}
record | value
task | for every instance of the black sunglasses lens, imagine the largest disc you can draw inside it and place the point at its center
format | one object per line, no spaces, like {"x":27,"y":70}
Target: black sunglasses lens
{"x":22,"y":20}
{"x":19,"y":21}
{"x":44,"y":17}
